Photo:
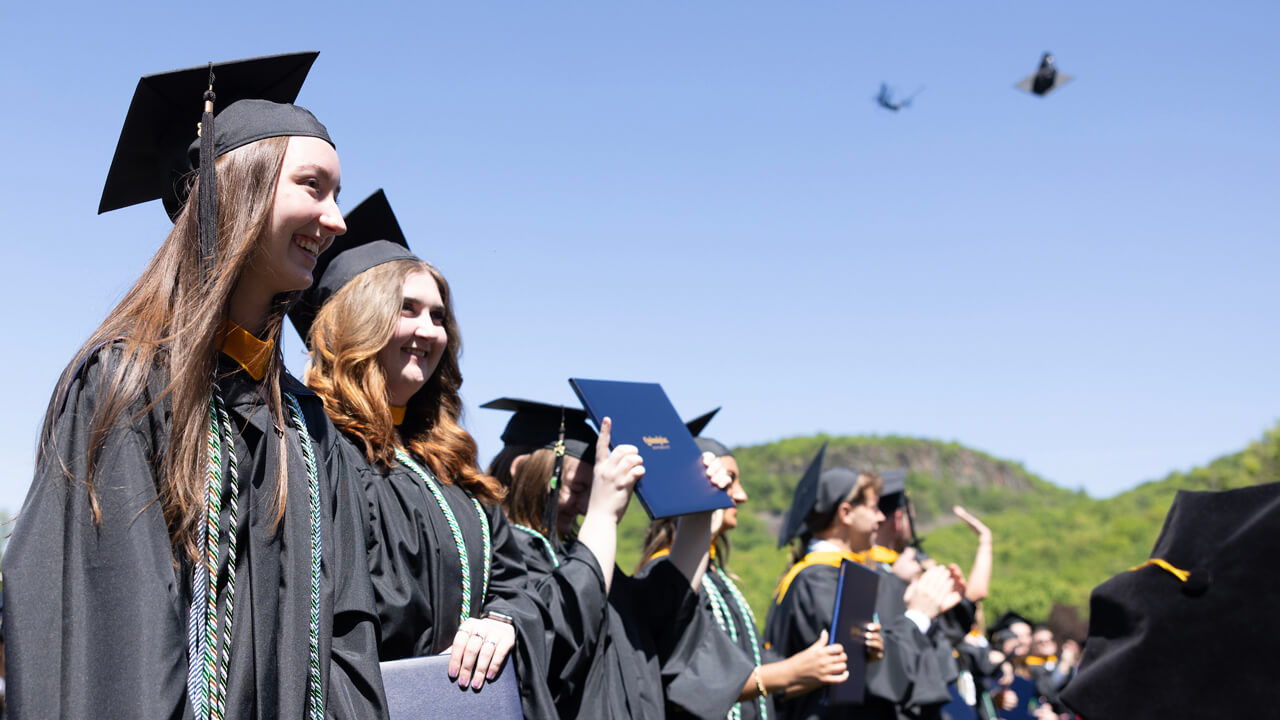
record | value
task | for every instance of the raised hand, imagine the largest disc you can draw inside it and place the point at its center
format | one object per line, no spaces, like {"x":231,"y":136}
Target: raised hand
{"x":973,"y":522}
{"x":616,"y":475}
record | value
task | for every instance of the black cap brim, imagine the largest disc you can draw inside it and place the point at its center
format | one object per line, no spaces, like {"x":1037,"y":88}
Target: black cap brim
{"x":537,"y":425}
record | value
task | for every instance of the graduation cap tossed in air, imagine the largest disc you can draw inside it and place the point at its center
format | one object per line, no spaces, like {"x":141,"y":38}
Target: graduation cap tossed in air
{"x":885,"y":99}
{"x":562,"y":429}
{"x":180,"y":121}
{"x":1045,"y":79}
{"x":373,"y":237}
{"x":817,"y":496}
{"x":1191,"y":632}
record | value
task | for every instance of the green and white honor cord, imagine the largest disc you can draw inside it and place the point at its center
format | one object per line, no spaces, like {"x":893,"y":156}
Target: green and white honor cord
{"x":720,"y":608}
{"x":315,"y":693}
{"x":208,"y":659}
{"x":452,"y":520}
{"x":546,"y":544}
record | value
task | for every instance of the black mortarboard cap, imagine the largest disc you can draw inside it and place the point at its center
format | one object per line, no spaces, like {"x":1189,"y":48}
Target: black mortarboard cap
{"x":1004,"y":622}
{"x":698,"y":424}
{"x":1045,"y":79}
{"x":373,"y":237}
{"x":537,"y":425}
{"x":817,"y":495}
{"x":159,"y":145}
{"x":1150,"y":630}
{"x":895,"y":490}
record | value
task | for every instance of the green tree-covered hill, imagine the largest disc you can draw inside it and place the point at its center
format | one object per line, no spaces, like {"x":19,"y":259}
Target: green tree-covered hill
{"x":1052,"y":546}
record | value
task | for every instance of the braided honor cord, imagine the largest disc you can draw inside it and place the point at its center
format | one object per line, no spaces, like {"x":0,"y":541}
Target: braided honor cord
{"x":315,"y":693}
{"x":208,"y":659}
{"x":458,"y":540}
{"x":546,"y":544}
{"x":749,"y":618}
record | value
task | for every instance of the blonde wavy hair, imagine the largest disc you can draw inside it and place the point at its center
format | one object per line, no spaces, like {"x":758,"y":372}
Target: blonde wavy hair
{"x":346,"y":337}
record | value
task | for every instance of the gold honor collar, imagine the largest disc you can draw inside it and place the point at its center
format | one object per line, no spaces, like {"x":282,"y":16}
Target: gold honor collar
{"x":251,"y":353}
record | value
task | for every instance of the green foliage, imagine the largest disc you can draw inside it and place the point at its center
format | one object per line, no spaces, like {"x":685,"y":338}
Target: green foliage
{"x":1052,"y":546}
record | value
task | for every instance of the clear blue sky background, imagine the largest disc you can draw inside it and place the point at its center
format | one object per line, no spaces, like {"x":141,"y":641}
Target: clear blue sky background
{"x":705,"y":195}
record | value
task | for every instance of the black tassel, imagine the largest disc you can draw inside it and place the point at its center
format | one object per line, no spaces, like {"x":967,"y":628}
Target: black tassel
{"x":551,"y":514}
{"x":208,"y":208}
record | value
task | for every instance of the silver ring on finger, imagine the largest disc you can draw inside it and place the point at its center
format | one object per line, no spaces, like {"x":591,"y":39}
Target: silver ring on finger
{"x":491,"y":642}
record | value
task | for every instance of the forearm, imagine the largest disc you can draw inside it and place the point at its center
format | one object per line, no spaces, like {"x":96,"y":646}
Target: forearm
{"x":599,"y":534}
{"x":980,"y":573}
{"x":777,"y":677}
{"x":691,"y":547}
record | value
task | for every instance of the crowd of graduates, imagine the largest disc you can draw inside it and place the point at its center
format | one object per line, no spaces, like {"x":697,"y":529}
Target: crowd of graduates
{"x":207,"y":536}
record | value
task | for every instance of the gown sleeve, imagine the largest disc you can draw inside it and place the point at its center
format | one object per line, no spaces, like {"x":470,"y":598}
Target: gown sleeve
{"x":95,"y":626}
{"x":508,"y":594}
{"x":703,"y":671}
{"x":911,"y":673}
{"x":574,"y":604}
{"x":355,"y":682}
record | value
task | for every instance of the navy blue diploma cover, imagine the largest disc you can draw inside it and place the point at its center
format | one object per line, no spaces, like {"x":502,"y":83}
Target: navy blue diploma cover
{"x":675,"y":480}
{"x":419,"y":688}
{"x":855,"y":607}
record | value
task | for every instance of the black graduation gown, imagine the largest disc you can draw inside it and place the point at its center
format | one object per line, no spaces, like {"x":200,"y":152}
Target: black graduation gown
{"x":741,"y":621}
{"x":750,"y":709}
{"x":571,"y":598}
{"x":661,"y":654}
{"x":417,"y":573}
{"x":653,"y":649}
{"x":908,"y":676}
{"x":97,"y":613}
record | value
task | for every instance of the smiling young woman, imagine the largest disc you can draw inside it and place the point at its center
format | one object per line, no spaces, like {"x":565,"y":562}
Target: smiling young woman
{"x":446,"y":572}
{"x":178,"y":551}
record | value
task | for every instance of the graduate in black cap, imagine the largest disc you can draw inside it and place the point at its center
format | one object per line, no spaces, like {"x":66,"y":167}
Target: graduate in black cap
{"x":447,"y":573}
{"x":549,"y":462}
{"x":188,"y":547}
{"x":653,"y":653}
{"x":1190,"y":633}
{"x":723,"y":602}
{"x":835,"y":516}
{"x":898,"y":531}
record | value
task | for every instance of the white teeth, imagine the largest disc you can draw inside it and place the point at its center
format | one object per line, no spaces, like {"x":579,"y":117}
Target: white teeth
{"x":307,"y":244}
{"x":416,"y":352}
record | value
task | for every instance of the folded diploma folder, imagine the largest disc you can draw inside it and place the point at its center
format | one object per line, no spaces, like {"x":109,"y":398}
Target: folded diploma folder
{"x":855,"y":607}
{"x":675,"y":480}
{"x":420,"y":688}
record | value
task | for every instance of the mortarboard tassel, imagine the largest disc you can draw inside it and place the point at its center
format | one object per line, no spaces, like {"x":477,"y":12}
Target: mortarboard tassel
{"x":911,"y":521}
{"x":551,"y":515}
{"x":208,"y":208}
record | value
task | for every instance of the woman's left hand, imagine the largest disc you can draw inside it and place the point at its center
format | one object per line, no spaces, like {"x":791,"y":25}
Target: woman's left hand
{"x":479,"y":649}
{"x":715,"y":471}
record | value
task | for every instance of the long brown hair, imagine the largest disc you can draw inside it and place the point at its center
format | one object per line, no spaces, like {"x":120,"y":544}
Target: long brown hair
{"x":171,"y":320}
{"x":348,"y":332}
{"x":526,"y":499}
{"x":661,"y":533}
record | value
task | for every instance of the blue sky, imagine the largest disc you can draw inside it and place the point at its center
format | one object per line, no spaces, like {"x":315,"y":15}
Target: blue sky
{"x":705,"y":195}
